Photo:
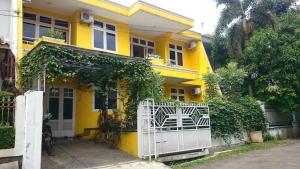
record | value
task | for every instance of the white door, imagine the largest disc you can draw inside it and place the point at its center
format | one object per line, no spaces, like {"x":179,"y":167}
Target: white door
{"x":61,"y":105}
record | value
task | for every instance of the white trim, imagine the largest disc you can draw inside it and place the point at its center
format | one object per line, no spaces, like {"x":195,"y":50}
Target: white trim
{"x":93,"y":99}
{"x":105,"y":31}
{"x":52,"y":26}
{"x":175,"y":50}
{"x":177,"y":94}
{"x":61,"y":132}
{"x":146,"y":47}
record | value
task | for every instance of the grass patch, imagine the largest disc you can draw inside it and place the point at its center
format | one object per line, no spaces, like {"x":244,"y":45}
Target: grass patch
{"x":239,"y":150}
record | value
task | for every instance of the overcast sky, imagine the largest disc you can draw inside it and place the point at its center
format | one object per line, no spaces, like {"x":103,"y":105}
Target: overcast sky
{"x":202,"y":11}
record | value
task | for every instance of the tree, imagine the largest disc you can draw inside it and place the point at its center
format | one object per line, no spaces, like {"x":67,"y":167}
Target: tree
{"x":274,"y":56}
{"x":231,"y":80}
{"x":240,"y":18}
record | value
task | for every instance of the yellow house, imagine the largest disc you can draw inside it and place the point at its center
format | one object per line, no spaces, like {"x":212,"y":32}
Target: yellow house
{"x":141,"y":30}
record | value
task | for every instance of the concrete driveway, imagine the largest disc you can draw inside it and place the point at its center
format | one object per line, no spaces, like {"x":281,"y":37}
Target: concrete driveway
{"x":286,"y":156}
{"x":73,"y":153}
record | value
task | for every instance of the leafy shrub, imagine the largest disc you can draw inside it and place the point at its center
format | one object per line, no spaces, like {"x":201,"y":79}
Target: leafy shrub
{"x":7,"y":137}
{"x":56,"y":35}
{"x":211,"y":84}
{"x":6,"y":94}
{"x":253,"y":118}
{"x":267,"y":136}
{"x":225,"y":119}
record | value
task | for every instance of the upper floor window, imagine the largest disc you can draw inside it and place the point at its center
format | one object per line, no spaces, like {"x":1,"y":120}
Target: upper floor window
{"x":35,"y":26}
{"x":176,"y":55}
{"x":141,"y":48}
{"x":104,"y":36}
{"x":112,"y":98}
{"x":177,"y":94}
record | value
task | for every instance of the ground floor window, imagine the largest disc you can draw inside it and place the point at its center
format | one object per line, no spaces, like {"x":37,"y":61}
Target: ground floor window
{"x":112,"y":98}
{"x":177,"y":94}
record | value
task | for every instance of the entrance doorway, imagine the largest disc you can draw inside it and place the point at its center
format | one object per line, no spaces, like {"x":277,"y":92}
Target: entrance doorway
{"x":61,"y":104}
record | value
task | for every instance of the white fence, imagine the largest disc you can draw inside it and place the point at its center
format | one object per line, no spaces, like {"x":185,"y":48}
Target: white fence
{"x":169,"y":129}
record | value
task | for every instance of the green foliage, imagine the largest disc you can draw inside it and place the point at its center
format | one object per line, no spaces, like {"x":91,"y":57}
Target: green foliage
{"x":253,"y":118}
{"x":274,"y":56}
{"x":7,"y":137}
{"x":225,"y":119}
{"x":231,"y":80}
{"x":211,"y":84}
{"x":239,"y":19}
{"x":136,"y":76}
{"x":56,"y":35}
{"x":219,"y":52}
{"x":6,"y":94}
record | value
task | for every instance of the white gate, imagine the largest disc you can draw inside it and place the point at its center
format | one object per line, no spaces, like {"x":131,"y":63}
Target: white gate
{"x":169,"y":129}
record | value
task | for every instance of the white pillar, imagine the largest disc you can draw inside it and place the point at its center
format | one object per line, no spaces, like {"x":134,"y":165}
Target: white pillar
{"x":33,"y":130}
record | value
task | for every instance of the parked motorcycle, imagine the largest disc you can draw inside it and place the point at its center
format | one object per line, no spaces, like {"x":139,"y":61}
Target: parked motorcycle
{"x":47,"y":140}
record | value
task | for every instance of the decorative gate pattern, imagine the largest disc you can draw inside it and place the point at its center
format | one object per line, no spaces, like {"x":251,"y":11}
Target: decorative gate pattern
{"x":169,"y":128}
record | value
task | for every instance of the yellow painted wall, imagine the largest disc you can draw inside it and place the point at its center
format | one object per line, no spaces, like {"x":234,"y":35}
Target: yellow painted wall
{"x":129,"y":143}
{"x":81,"y":36}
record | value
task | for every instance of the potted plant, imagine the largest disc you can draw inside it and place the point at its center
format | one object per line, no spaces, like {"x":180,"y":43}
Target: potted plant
{"x":55,"y":35}
{"x":253,"y":119}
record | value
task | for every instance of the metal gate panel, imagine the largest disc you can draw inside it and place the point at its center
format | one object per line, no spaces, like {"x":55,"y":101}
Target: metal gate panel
{"x":168,"y":128}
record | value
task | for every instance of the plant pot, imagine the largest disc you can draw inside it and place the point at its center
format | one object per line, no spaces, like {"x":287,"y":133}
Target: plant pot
{"x":256,"y":137}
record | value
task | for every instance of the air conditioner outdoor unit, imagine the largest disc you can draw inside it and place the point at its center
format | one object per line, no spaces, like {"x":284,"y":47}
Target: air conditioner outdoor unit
{"x":86,"y":17}
{"x":192,"y":45}
{"x":196,"y":91}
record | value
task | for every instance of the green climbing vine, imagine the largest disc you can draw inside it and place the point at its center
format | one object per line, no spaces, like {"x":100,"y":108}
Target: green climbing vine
{"x":100,"y":70}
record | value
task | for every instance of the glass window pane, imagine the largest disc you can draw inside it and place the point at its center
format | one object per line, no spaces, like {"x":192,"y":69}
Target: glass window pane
{"x":45,"y":20}
{"x":138,"y":51}
{"x":174,"y":91}
{"x":181,"y":98}
{"x":54,"y":92}
{"x":172,"y":46}
{"x":151,"y":44}
{"x":98,"y":24}
{"x":64,"y":32}
{"x":135,"y":40}
{"x":96,"y":100}
{"x":174,"y":97}
{"x":61,"y":23}
{"x":110,"y":27}
{"x":111,"y":41}
{"x":29,"y":31}
{"x":143,"y":42}
{"x":68,"y":108}
{"x":29,"y":16}
{"x":98,"y":39}
{"x":150,"y":51}
{"x":112,"y":99}
{"x":179,"y":59}
{"x":181,"y":91}
{"x":54,"y":107}
{"x":179,"y":47}
{"x":43,"y":31}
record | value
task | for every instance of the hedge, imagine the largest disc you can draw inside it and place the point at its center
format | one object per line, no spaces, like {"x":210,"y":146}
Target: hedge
{"x":7,"y":137}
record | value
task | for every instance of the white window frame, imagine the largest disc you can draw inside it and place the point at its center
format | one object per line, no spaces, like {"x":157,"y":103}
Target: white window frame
{"x":146,"y":47}
{"x":109,"y":110}
{"x":105,"y":31}
{"x":177,"y":94}
{"x":176,"y":56}
{"x":52,"y":26}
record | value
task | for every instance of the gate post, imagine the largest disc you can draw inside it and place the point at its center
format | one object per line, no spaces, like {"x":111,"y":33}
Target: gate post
{"x":33,"y":130}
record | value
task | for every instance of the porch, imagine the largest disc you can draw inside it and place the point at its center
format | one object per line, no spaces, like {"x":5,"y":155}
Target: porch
{"x":74,"y":153}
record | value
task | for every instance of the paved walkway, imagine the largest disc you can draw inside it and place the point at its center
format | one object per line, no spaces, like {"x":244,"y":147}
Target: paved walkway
{"x":71,"y":154}
{"x":286,"y":156}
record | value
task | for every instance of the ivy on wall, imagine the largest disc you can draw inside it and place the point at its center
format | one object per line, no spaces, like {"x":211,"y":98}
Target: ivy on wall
{"x":98,"y":69}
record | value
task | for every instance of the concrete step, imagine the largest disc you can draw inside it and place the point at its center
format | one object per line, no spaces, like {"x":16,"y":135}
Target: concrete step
{"x":11,"y":165}
{"x":183,"y":156}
